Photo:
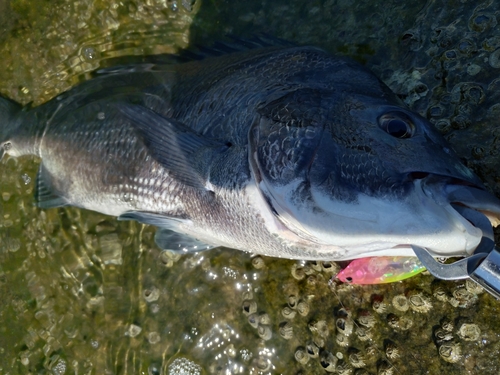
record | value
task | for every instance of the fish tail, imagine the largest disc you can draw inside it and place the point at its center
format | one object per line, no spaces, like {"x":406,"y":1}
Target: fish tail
{"x":8,"y":109}
{"x":9,"y":113}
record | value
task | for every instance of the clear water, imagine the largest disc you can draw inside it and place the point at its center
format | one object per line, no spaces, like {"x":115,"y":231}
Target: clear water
{"x":82,"y":293}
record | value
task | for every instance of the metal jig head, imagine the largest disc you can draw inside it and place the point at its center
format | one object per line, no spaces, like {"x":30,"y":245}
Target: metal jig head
{"x":483,"y":266}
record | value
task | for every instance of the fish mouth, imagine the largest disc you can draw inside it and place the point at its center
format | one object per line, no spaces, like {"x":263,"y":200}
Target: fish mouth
{"x":477,"y":199}
{"x":468,"y":200}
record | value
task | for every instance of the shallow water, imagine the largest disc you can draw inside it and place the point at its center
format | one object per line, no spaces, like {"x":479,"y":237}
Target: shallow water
{"x":82,"y":293}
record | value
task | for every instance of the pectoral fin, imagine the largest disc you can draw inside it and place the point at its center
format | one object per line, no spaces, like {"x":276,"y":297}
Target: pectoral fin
{"x":46,"y":194}
{"x":150,"y":218}
{"x":173,"y":144}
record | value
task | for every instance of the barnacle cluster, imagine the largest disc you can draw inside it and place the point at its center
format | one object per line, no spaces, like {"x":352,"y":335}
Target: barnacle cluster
{"x":258,"y":320}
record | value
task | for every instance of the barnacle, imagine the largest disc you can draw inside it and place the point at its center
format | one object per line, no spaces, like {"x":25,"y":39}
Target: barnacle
{"x":361,"y":371}
{"x":262,"y":363}
{"x":288,"y":313}
{"x":342,"y":340}
{"x":442,"y":335}
{"x":247,"y":295}
{"x":464,"y":297}
{"x":366,"y":319}
{"x":419,"y":303}
{"x":469,"y":332}
{"x":154,"y":337}
{"x":328,"y":361}
{"x":440,"y":294}
{"x":473,"y":287}
{"x":330,"y":267}
{"x":393,"y":320}
{"x":344,"y":312}
{"x":405,"y":323}
{"x":253,"y":319}
{"x":292,"y":301}
{"x":315,"y":265}
{"x":400,"y":302}
{"x":286,"y":330}
{"x":264,"y":318}
{"x":356,"y":358}
{"x":447,"y":325}
{"x":312,"y":280}
{"x":258,"y":262}
{"x":364,"y":334}
{"x":344,"y":326}
{"x":343,"y":368}
{"x":371,"y":354}
{"x":378,"y":304}
{"x":151,"y":294}
{"x":385,"y":368}
{"x":320,"y":327}
{"x":494,"y":59}
{"x":301,"y":356}
{"x":312,"y":350}
{"x":298,"y":272}
{"x":133,"y":330}
{"x":391,"y":350}
{"x":264,"y":332}
{"x":319,"y":341}
{"x":249,"y":307}
{"x":168,"y":258}
{"x":303,"y":308}
{"x":450,"y":352}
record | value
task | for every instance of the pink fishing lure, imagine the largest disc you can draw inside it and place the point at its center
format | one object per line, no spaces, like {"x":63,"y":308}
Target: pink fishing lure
{"x":380,"y":270}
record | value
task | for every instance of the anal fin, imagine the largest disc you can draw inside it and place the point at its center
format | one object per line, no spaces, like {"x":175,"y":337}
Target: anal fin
{"x":167,"y":237}
{"x":169,"y":240}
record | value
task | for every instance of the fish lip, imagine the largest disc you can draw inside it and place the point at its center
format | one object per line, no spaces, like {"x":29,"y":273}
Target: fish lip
{"x":431,"y":178}
{"x":473,"y":197}
{"x":453,"y":192}
{"x":449,"y":190}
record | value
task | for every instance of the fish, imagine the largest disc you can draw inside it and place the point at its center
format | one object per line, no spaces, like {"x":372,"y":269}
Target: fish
{"x":261,"y":146}
{"x":380,"y":270}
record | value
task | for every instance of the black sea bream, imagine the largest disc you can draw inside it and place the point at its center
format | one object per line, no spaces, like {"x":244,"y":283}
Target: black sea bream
{"x":279,"y":150}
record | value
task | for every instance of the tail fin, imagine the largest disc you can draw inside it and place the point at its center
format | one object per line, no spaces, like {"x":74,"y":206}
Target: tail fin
{"x":8,"y":111}
{"x":8,"y":108}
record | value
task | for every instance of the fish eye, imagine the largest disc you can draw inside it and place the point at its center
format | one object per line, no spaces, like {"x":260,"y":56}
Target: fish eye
{"x":397,"y":124}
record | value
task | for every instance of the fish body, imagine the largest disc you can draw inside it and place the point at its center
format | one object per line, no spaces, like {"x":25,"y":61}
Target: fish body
{"x":279,"y":150}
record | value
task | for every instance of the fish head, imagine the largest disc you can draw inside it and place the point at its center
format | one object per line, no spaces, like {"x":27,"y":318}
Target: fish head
{"x":353,"y":168}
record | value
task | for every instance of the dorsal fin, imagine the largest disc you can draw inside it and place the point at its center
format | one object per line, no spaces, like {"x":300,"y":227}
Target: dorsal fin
{"x":234,"y":44}
{"x":152,"y":63}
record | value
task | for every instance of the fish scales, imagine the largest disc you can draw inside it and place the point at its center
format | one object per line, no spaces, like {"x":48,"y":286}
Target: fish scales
{"x":279,"y":150}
